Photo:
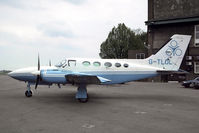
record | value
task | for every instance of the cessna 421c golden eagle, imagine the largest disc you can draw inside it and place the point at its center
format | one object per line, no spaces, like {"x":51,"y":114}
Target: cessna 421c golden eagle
{"x":82,"y":72}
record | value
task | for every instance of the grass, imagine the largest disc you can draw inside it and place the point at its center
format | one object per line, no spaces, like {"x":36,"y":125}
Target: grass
{"x":4,"y":72}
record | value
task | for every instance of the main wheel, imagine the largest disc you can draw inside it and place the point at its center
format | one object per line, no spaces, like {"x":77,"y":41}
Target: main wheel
{"x":83,"y":100}
{"x":28,"y":93}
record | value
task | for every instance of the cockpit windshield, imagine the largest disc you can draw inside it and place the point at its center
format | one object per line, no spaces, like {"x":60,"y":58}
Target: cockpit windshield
{"x":63,"y":63}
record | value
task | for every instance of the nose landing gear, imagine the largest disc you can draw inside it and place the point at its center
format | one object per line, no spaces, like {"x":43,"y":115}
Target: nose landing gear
{"x":28,"y":92}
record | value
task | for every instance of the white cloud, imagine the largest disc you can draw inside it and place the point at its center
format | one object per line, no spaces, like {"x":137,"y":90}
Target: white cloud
{"x":62,"y":28}
{"x":56,"y":29}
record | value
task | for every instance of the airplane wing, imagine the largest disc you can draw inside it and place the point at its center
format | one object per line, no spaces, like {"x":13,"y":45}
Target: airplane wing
{"x":81,"y":78}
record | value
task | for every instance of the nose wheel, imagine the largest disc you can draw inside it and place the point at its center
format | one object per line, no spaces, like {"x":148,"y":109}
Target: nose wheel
{"x":28,"y":92}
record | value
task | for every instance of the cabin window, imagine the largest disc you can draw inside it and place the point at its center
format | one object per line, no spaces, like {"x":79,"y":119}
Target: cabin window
{"x":97,"y":64}
{"x":62,"y":63}
{"x":71,"y":63}
{"x":107,"y":64}
{"x":117,"y":64}
{"x":196,"y":67}
{"x":126,"y":65}
{"x":196,"y":35}
{"x":86,"y":63}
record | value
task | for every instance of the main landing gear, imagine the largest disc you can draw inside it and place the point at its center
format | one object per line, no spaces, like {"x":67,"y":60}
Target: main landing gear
{"x":28,"y":92}
{"x":81,"y":94}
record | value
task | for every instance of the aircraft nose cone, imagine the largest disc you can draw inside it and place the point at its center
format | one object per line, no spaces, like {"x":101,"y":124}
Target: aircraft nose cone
{"x":23,"y":74}
{"x":12,"y":74}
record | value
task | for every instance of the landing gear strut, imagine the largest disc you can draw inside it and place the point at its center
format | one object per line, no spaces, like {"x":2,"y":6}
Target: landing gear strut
{"x":81,"y":94}
{"x":28,"y":92}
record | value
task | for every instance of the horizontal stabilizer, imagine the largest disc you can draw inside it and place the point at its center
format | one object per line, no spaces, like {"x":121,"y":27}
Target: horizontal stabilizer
{"x":180,"y":71}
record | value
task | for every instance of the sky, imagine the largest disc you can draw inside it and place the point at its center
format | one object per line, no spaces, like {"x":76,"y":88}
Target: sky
{"x":58,"y":29}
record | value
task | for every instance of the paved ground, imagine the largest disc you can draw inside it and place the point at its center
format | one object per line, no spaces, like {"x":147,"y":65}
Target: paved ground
{"x":131,"y":108}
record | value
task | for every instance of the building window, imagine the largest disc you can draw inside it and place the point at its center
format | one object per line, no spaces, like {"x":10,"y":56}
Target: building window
{"x":196,"y":35}
{"x":196,"y":67}
{"x":97,"y":64}
{"x":140,"y":56}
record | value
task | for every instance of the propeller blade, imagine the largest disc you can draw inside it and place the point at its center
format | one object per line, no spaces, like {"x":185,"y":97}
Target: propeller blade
{"x":38,"y":76}
{"x":37,"y":81}
{"x":38,"y":63}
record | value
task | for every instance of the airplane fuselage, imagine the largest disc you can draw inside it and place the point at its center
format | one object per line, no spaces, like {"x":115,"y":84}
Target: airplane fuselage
{"x":116,"y":70}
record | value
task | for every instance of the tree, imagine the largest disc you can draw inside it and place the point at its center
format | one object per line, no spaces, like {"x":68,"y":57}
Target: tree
{"x":119,"y":41}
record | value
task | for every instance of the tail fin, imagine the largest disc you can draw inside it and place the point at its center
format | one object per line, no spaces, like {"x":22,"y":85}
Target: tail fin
{"x":170,"y":56}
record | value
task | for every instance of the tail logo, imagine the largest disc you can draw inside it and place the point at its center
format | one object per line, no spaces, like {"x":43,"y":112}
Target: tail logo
{"x":174,"y":49}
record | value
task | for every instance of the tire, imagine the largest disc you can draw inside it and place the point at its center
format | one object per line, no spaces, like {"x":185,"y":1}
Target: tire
{"x":187,"y":86}
{"x":83,"y":100}
{"x":28,"y":93}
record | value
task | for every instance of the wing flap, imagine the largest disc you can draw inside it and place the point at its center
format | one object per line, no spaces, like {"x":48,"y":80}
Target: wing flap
{"x":103,"y":80}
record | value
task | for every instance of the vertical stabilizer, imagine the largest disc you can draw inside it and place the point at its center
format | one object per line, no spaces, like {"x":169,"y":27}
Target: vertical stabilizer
{"x":170,"y":56}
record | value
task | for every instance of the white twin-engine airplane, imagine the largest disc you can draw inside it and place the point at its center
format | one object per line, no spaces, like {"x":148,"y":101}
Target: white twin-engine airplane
{"x":82,"y":72}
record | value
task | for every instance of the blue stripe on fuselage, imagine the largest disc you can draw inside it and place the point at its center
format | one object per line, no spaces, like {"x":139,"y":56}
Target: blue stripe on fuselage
{"x":115,"y":76}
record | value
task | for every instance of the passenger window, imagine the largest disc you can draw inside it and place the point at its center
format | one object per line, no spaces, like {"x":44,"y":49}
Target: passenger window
{"x":97,"y":64}
{"x":107,"y":64}
{"x":117,"y":64}
{"x":86,"y":63}
{"x":126,"y":65}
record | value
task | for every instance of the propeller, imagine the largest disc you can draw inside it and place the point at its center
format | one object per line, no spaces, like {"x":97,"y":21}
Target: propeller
{"x":38,"y":75}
